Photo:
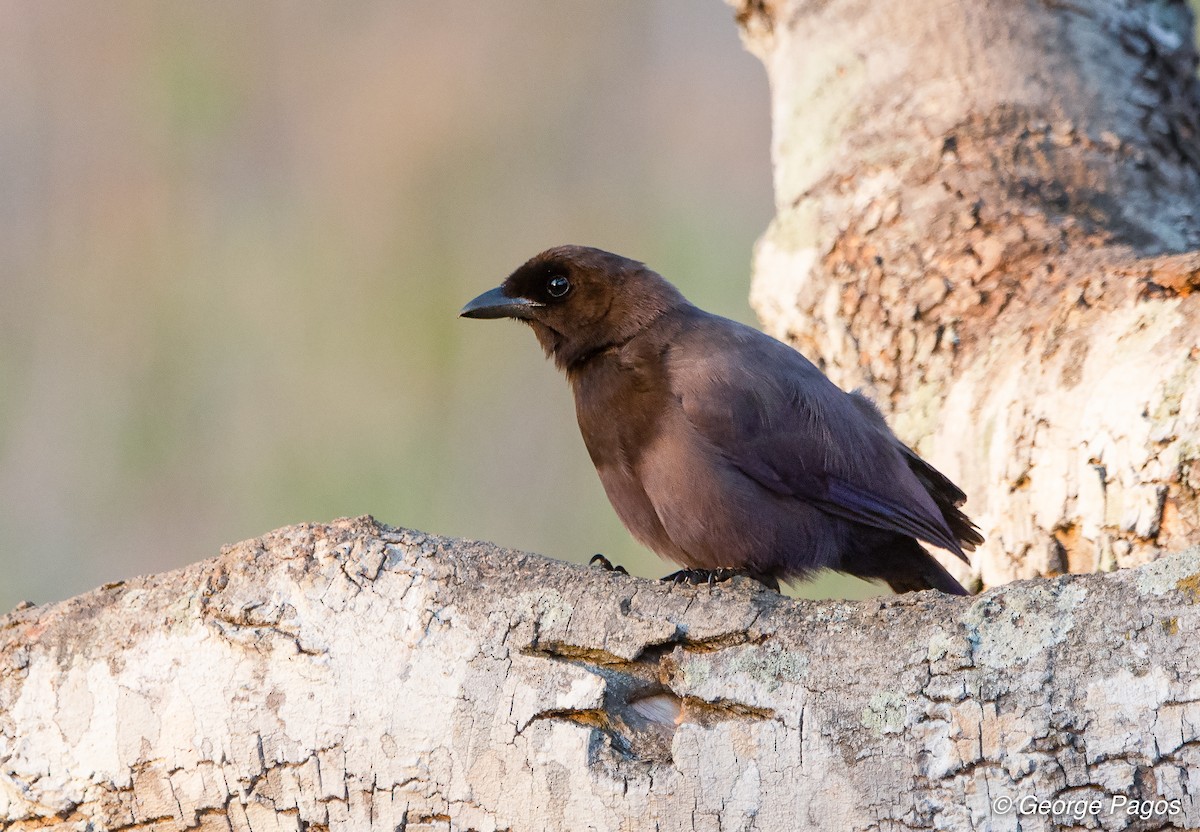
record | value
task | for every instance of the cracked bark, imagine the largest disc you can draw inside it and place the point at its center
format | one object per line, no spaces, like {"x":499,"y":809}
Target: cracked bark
{"x":986,"y":216}
{"x":992,"y":237}
{"x":354,"y":676}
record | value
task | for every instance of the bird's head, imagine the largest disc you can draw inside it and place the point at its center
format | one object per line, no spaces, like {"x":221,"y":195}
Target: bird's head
{"x":579,"y":301}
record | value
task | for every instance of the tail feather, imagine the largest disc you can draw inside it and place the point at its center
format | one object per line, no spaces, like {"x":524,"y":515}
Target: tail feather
{"x":947,"y":496}
{"x":906,"y":566}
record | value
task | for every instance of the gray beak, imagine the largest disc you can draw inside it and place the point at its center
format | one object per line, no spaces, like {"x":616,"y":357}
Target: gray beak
{"x":496,"y":304}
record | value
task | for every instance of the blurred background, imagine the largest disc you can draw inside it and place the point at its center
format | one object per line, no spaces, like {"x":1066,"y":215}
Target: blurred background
{"x":234,"y":239}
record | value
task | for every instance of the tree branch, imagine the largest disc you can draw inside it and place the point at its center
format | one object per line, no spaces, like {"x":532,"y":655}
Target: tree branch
{"x":354,"y":676}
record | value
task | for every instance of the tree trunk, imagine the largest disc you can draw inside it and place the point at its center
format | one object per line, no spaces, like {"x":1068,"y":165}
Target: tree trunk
{"x":357,"y":677}
{"x":982,"y":214}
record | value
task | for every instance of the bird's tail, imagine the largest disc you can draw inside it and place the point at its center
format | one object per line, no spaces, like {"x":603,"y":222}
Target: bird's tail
{"x":906,"y":566}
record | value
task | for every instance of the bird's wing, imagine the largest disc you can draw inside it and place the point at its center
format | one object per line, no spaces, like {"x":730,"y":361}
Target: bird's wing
{"x":948,"y":497}
{"x":780,"y":421}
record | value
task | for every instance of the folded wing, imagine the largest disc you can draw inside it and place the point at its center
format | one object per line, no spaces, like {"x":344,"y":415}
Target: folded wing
{"x":780,"y":421}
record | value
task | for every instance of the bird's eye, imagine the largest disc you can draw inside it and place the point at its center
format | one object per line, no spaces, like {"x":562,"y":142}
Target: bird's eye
{"x":558,"y":286}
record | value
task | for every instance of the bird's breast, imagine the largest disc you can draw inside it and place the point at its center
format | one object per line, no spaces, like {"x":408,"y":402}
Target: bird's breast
{"x":622,"y":408}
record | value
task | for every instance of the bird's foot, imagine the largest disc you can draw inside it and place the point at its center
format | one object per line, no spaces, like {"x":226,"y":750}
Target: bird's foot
{"x":695,"y":577}
{"x":606,"y":564}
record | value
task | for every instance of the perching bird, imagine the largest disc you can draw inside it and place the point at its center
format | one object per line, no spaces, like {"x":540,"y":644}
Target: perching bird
{"x":721,"y":448}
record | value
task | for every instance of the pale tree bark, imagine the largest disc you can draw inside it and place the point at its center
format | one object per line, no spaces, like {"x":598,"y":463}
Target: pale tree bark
{"x":357,"y":677}
{"x":983,"y":214}
{"x":985,"y":217}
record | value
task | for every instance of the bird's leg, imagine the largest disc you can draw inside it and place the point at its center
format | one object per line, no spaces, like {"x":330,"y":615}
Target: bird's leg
{"x":716,"y":576}
{"x":606,"y":564}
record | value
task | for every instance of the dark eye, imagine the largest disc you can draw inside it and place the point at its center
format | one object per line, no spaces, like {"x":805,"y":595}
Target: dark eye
{"x":558,"y":286}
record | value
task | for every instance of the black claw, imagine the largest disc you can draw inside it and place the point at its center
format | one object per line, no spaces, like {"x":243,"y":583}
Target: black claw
{"x":696,"y":576}
{"x":606,"y":564}
{"x":712,"y":577}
